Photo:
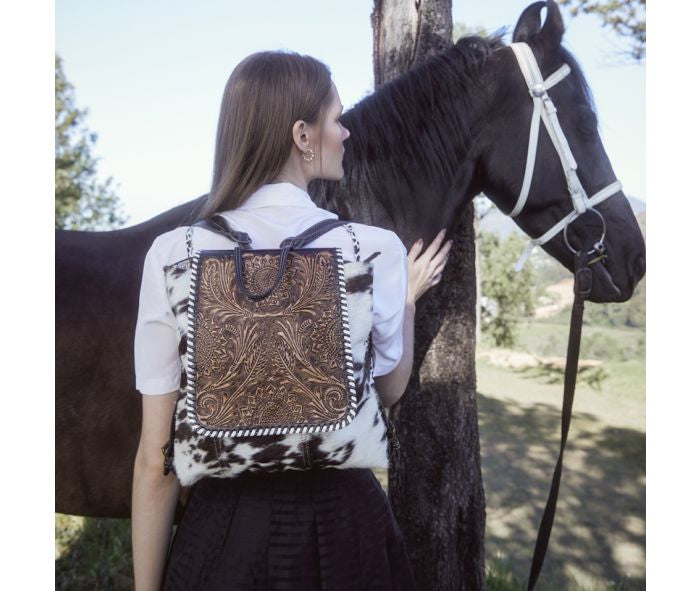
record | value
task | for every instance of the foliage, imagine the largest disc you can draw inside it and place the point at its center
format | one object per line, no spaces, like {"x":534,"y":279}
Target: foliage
{"x":548,"y":270}
{"x":460,"y":29}
{"x":93,"y":553}
{"x":628,"y":18}
{"x":548,"y":339}
{"x":82,"y":203}
{"x":631,"y":313}
{"x":507,"y":296}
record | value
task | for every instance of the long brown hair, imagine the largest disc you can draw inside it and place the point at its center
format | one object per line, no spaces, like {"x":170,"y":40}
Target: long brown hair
{"x":265,"y":95}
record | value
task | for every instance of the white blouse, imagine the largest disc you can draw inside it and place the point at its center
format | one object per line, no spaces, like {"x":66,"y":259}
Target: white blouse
{"x":272,"y":213}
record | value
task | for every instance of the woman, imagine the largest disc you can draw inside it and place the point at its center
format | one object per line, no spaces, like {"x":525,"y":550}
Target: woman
{"x":278,"y":129}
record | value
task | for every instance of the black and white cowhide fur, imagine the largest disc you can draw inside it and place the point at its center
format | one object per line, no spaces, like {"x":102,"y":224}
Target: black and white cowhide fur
{"x":361,"y":444}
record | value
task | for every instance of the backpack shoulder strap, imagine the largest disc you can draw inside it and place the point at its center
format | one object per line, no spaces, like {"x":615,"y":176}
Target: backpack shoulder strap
{"x":311,"y":233}
{"x":320,"y":228}
{"x":219,"y":224}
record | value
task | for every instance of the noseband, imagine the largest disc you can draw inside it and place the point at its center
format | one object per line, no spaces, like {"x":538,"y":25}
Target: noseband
{"x":543,"y":108}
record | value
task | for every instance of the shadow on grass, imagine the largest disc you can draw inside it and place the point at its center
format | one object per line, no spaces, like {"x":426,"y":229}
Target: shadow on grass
{"x":598,"y":538}
{"x":98,"y":557}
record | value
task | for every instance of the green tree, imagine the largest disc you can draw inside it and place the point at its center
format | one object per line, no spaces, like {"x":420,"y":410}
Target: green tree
{"x":628,"y":18}
{"x":631,"y":313}
{"x":82,"y":203}
{"x":506,"y":296}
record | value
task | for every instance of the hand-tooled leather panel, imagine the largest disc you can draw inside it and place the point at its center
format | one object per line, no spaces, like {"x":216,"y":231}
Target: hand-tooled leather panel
{"x":274,"y":362}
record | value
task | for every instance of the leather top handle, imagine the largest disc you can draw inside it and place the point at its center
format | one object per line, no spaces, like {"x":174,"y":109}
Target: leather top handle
{"x":219,"y":224}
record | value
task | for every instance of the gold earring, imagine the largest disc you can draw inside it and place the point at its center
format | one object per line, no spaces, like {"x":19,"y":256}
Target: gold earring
{"x":312,"y":155}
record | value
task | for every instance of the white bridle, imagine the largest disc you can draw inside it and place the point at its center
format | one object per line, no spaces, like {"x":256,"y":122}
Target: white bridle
{"x":544,"y":108}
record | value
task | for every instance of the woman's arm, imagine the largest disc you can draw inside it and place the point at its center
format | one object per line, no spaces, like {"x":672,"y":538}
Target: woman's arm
{"x":154,"y":496}
{"x":391,"y":386}
{"x":424,"y":272}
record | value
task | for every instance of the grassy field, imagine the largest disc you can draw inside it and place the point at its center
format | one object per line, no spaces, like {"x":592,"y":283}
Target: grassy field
{"x":598,"y":539}
{"x":93,"y":554}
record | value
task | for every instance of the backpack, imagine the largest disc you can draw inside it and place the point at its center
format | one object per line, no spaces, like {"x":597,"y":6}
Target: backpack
{"x":277,"y":359}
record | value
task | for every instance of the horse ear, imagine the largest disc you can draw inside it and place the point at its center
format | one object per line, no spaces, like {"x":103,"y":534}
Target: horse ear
{"x":553,"y":28}
{"x":529,"y":23}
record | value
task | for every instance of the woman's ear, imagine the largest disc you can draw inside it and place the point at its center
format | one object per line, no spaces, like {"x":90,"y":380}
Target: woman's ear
{"x":300,"y":134}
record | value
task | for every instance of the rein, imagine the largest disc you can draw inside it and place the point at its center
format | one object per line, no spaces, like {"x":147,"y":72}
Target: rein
{"x":583,"y":280}
{"x":544,"y":109}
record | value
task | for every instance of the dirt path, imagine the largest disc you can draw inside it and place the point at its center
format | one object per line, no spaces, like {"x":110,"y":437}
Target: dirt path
{"x":562,"y":294}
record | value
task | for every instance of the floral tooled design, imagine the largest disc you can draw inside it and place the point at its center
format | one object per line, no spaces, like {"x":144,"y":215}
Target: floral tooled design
{"x":274,"y":405}
{"x":325,"y":344}
{"x":259,"y":274}
{"x":276,"y":361}
{"x":211,"y":347}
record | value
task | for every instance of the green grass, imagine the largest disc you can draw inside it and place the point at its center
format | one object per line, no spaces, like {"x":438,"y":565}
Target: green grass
{"x":597,"y":342}
{"x":621,"y":349}
{"x":603,"y":546}
{"x":499,"y":577}
{"x":93,"y":553}
{"x":627,"y":379}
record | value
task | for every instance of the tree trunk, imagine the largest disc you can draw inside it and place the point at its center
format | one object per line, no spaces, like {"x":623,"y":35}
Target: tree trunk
{"x":436,"y":489}
{"x":477,"y":279}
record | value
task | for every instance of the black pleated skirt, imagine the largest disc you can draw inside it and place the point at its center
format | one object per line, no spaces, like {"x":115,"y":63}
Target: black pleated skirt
{"x":317,"y":530}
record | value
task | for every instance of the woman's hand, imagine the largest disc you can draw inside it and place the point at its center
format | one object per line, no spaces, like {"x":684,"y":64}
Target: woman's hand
{"x":425,"y":269}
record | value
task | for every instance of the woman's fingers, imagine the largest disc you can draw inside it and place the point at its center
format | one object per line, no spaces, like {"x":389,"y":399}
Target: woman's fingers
{"x":440,"y":259}
{"x":445,"y":249}
{"x":435,"y":244}
{"x":432,"y":248}
{"x":415,"y":249}
{"x":440,"y":266}
{"x":443,"y":253}
{"x":426,"y":267}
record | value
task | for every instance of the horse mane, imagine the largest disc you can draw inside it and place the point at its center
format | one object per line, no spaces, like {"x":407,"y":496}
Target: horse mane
{"x":442,"y":85}
{"x":576,"y":71}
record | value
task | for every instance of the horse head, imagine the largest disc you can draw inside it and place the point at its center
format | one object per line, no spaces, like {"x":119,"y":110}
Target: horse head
{"x":573,"y":182}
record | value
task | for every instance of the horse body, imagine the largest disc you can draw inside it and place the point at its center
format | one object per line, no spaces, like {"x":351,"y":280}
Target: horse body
{"x":98,"y":410}
{"x":422,"y":147}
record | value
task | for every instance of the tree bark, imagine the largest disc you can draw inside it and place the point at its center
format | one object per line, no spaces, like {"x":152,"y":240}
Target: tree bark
{"x":477,"y":279}
{"x":436,"y":489}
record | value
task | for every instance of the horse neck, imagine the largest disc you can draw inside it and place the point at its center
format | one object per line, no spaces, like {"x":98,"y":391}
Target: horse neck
{"x":420,"y":183}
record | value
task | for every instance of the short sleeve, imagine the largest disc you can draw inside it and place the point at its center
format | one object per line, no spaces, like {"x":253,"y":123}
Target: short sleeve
{"x":389,"y":303}
{"x":156,"y":357}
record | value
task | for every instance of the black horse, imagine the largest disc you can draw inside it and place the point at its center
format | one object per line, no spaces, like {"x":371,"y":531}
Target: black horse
{"x":421,"y":148}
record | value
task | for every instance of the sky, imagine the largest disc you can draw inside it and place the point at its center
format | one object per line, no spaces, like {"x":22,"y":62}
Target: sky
{"x":151,"y":75}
